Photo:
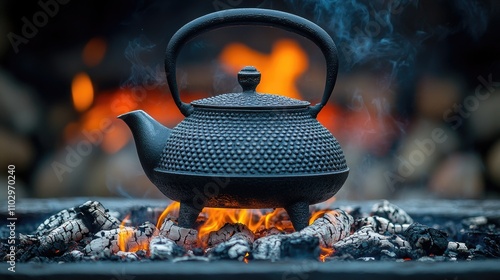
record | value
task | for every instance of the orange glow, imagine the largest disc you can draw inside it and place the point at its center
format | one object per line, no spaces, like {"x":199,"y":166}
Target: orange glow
{"x":215,"y":218}
{"x":172,"y":209}
{"x":325,"y":253}
{"x":94,"y":51}
{"x":245,"y":259}
{"x":82,"y":92}
{"x":123,"y":235}
{"x":127,"y":233}
{"x":280,"y":69}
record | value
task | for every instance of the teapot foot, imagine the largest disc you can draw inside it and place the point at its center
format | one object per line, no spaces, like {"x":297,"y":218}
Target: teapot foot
{"x":188,"y":214}
{"x":299,"y":214}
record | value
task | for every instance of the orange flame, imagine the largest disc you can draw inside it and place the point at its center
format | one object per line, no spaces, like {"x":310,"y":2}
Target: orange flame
{"x":125,"y":234}
{"x":82,"y":92}
{"x":280,"y":69}
{"x":325,"y":253}
{"x":215,"y":218}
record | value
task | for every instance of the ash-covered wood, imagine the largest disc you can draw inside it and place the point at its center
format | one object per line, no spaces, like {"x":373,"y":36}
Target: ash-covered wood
{"x":458,"y":247}
{"x":380,"y":225}
{"x":327,"y":230}
{"x":430,"y":240}
{"x":162,"y":248}
{"x":366,"y":242}
{"x":236,"y":248}
{"x":184,"y":237}
{"x":136,"y":238}
{"x":391,"y":212}
{"x":56,"y":234}
{"x":227,"y":231}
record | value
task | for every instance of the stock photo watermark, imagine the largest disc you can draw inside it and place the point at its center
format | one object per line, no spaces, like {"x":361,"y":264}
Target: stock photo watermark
{"x":31,"y":26}
{"x":11,"y":218}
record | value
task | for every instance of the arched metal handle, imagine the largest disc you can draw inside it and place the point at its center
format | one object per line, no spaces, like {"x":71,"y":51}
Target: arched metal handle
{"x":249,"y":16}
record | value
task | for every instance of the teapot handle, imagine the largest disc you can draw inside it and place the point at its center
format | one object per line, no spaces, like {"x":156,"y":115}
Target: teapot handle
{"x":252,"y":16}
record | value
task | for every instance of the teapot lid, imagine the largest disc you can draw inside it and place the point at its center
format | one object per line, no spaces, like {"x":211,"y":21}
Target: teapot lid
{"x":249,"y":99}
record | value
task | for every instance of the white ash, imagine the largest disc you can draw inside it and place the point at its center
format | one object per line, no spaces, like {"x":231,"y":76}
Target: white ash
{"x":475,"y":222}
{"x":184,"y":237}
{"x":268,"y":248}
{"x":227,"y":231}
{"x":381,"y":225}
{"x":393,"y":213}
{"x":127,"y":255}
{"x":458,"y":247}
{"x":58,"y":239}
{"x":368,"y":243}
{"x":108,"y":239}
{"x":329,"y":229}
{"x":162,"y":248}
{"x":55,"y":221}
{"x":92,"y":212}
{"x":332,"y":227}
{"x":236,"y":248}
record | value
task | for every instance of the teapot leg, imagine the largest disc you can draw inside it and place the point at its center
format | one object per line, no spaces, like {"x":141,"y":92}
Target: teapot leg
{"x":299,"y":214}
{"x":188,"y":214}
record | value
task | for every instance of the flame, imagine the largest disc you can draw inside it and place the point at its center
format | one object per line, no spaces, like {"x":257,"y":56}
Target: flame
{"x":215,"y":218}
{"x":127,"y":233}
{"x":172,"y":209}
{"x":245,"y":258}
{"x":123,"y":235}
{"x":280,"y":69}
{"x":82,"y":92}
{"x":325,"y":252}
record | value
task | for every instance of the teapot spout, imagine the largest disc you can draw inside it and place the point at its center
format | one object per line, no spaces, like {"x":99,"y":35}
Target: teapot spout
{"x":150,"y":137}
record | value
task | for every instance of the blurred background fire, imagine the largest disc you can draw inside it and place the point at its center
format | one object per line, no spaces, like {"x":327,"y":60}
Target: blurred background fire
{"x":415,"y":107}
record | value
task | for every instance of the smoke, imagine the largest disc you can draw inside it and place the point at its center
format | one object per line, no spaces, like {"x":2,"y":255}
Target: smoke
{"x":143,"y":74}
{"x":387,"y":34}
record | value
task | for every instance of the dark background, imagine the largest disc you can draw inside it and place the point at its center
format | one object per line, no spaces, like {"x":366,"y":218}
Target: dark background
{"x":400,"y":74}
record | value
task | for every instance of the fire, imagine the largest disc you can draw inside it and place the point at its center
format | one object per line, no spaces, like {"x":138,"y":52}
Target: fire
{"x":82,"y":92}
{"x":280,"y":69}
{"x":325,"y":253}
{"x":125,"y":234}
{"x":215,"y":218}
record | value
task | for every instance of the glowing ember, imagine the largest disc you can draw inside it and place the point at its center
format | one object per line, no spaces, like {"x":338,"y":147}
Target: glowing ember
{"x":325,"y":253}
{"x":124,"y":235}
{"x":280,"y":69}
{"x":82,"y":92}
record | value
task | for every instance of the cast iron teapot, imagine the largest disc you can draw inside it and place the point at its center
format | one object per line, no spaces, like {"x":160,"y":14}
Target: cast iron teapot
{"x":244,"y":149}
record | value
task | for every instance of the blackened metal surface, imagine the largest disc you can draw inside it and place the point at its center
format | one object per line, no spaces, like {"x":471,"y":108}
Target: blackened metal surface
{"x":222,"y":270}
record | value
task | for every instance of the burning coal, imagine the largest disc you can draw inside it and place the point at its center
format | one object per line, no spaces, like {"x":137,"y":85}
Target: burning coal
{"x":90,"y":232}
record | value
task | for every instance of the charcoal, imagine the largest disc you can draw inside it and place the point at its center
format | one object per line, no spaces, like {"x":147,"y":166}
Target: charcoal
{"x":268,"y":248}
{"x":162,"y":248}
{"x":55,"y":221}
{"x":380,"y":225}
{"x":306,"y":247}
{"x":391,"y":212}
{"x":184,"y":237}
{"x":236,"y":248}
{"x":430,"y":240}
{"x":137,"y":238}
{"x":332,"y":227}
{"x":366,"y":242}
{"x":226,"y":232}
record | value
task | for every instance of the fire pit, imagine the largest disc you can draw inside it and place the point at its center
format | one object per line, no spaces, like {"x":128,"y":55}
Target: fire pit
{"x":436,"y":239}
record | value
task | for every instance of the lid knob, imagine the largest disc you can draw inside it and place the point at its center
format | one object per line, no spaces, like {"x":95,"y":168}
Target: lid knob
{"x":249,"y":78}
